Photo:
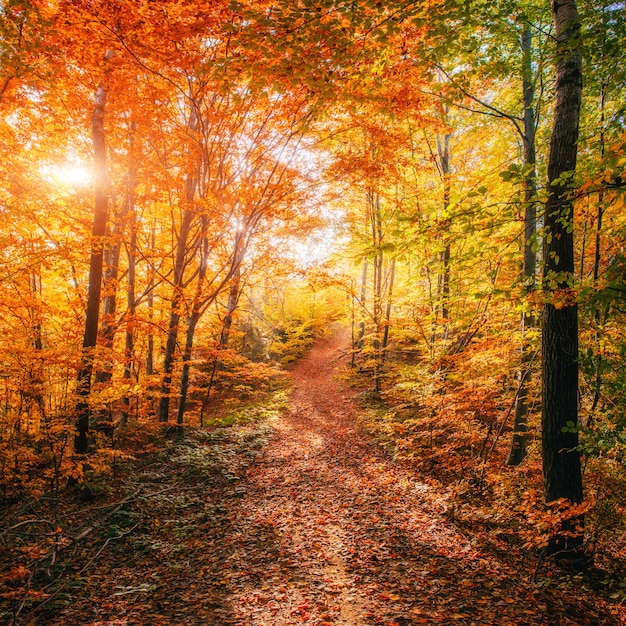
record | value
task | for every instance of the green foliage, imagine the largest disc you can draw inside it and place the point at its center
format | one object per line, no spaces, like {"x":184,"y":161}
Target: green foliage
{"x":261,"y":409}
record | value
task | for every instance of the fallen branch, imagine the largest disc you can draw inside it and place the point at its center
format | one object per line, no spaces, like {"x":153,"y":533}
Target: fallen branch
{"x":93,"y":527}
{"x":26,"y":523}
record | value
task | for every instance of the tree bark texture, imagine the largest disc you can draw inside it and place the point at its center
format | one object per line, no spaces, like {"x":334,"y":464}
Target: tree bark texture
{"x":101,"y":212}
{"x":176,"y":309}
{"x":192,"y":322}
{"x":362,"y":300}
{"x":129,"y":343}
{"x":561,"y":459}
{"x":520,"y":428}
{"x":178,"y":297}
{"x":112,"y":255}
{"x":443,"y":282}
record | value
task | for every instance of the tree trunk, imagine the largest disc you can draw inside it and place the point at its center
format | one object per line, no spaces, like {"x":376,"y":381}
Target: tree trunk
{"x":443,"y":282}
{"x":377,"y":273}
{"x":108,"y":325}
{"x":178,"y":285}
{"x":151,"y":285}
{"x":129,"y":347}
{"x":377,"y":286}
{"x":194,"y":318}
{"x":37,"y":372}
{"x":177,"y":303}
{"x":561,"y":458}
{"x":391,"y":279}
{"x":597,"y":257}
{"x":361,"y":336}
{"x":520,"y":428}
{"x":98,"y":233}
{"x":184,"y":378}
{"x":112,"y":255}
{"x":234,"y":291}
{"x":231,"y":307}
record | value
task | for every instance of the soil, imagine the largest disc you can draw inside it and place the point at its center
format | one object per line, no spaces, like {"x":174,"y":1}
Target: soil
{"x":304,"y":520}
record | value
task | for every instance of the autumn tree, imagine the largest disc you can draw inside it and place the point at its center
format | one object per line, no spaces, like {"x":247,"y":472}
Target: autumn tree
{"x":101,"y":214}
{"x":561,"y":457}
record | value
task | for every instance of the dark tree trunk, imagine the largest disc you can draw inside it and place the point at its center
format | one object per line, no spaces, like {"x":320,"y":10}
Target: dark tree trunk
{"x":177,"y":304}
{"x":391,"y":279}
{"x":129,"y":347}
{"x":361,"y":336}
{"x":231,"y":306}
{"x":151,"y":285}
{"x":377,"y":285}
{"x":98,"y":233}
{"x":377,"y":266}
{"x":184,"y":378}
{"x":597,"y":257}
{"x":109,"y":305}
{"x":561,"y":458}
{"x":112,"y":255}
{"x":37,"y":375}
{"x":180,"y":263}
{"x":192,"y":322}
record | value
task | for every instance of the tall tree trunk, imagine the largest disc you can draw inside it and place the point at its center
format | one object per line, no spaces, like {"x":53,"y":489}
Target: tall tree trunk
{"x":377,"y":285}
{"x":129,"y":343}
{"x":177,"y":303}
{"x":361,"y":336}
{"x":391,"y":279}
{"x":561,"y":458}
{"x":443,"y":282}
{"x":520,"y":428}
{"x":192,"y":322}
{"x":112,"y":255}
{"x":108,"y":324}
{"x":178,"y":286}
{"x":151,"y":285}
{"x":101,"y":213}
{"x":597,"y":257}
{"x":37,"y":373}
{"x":184,"y":377}
{"x":377,"y":277}
{"x":232,"y":303}
{"x":231,"y":307}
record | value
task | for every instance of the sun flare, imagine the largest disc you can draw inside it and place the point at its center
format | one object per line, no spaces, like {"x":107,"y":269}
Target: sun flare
{"x":67,"y":174}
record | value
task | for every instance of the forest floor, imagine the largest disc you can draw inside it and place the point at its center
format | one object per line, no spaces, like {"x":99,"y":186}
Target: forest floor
{"x":299,"y":519}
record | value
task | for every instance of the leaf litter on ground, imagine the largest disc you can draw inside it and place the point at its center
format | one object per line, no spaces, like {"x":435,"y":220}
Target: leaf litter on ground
{"x":297,"y":519}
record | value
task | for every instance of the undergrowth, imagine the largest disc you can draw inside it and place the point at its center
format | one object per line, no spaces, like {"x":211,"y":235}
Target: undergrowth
{"x":139,"y":505}
{"x":454,"y":430}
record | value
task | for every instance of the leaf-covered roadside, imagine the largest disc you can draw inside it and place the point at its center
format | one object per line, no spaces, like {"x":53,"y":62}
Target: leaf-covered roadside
{"x":102,"y":547}
{"x":295,"y":519}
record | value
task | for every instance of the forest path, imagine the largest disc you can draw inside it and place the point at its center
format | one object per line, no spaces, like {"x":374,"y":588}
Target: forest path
{"x":303,"y":521}
{"x":335,"y":532}
{"x":332,"y":531}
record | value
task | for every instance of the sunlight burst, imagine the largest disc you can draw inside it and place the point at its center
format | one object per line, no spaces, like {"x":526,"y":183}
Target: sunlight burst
{"x":67,"y":174}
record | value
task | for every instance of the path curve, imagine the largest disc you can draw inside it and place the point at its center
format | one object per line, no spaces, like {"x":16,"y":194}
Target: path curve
{"x":332,"y":531}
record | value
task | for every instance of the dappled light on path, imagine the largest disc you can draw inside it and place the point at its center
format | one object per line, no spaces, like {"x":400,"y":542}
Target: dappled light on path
{"x":333,"y":532}
{"x":305,"y":520}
